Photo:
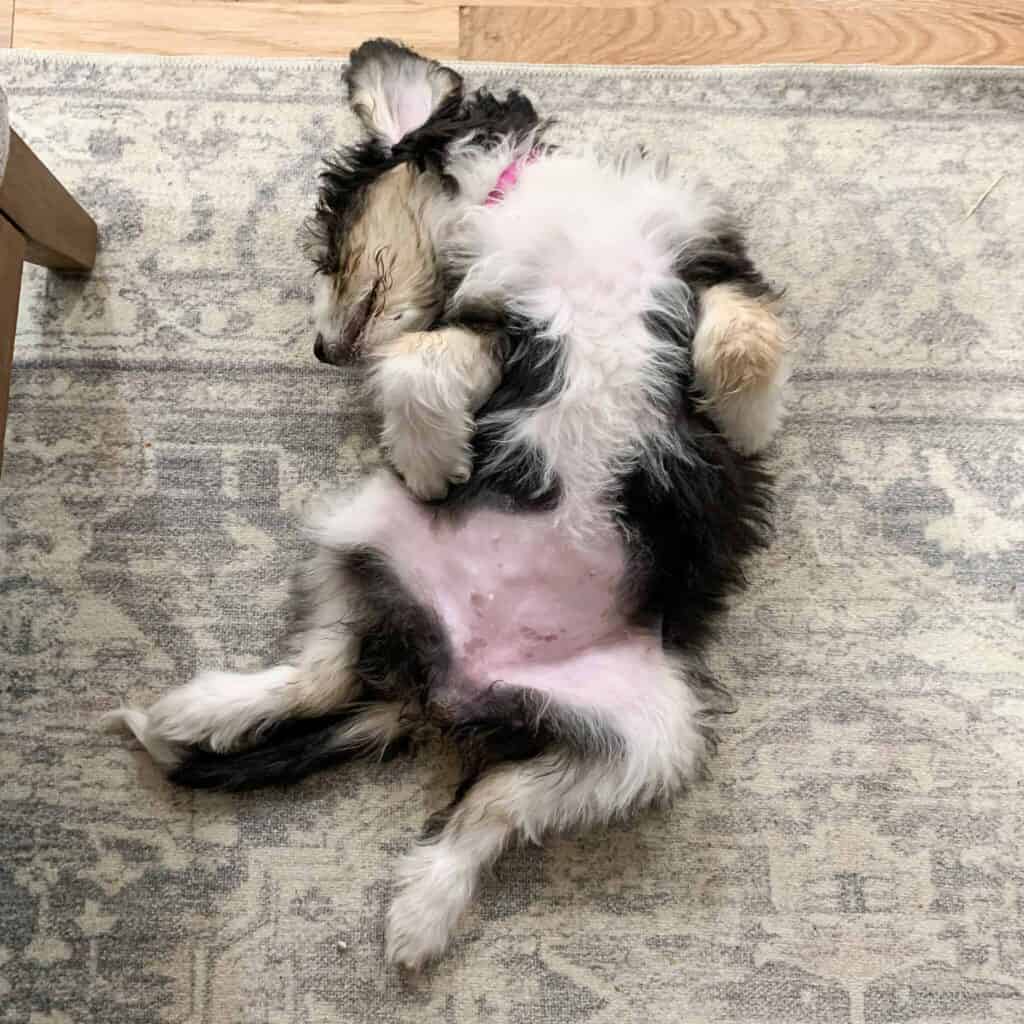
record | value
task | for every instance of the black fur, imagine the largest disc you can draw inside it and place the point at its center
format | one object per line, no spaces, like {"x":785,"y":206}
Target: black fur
{"x":690,"y":525}
{"x":403,"y":647}
{"x":287,"y":752}
{"x":481,"y":117}
{"x":689,"y":536}
{"x":722,"y":258}
{"x":533,"y":371}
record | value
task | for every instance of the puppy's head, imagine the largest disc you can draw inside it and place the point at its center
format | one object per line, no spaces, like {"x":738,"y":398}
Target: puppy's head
{"x":378,"y":273}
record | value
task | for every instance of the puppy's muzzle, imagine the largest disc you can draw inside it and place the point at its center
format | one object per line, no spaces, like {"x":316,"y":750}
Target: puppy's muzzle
{"x":318,"y":348}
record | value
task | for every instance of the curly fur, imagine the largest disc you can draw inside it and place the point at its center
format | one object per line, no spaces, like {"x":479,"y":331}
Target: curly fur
{"x":578,"y":377}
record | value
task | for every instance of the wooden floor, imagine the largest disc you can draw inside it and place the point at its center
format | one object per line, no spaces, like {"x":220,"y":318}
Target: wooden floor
{"x":566,"y":31}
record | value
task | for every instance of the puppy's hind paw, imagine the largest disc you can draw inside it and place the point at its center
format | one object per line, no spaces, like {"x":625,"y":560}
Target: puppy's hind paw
{"x":435,"y":884}
{"x":415,"y":936}
{"x":126,"y":719}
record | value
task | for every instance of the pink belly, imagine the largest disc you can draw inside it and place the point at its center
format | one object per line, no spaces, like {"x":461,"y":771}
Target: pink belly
{"x":523,"y":602}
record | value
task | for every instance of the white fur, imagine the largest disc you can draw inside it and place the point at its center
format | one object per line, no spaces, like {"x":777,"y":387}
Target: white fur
{"x":348,"y":521}
{"x":165,"y":734}
{"x":217,"y":709}
{"x":750,"y":420}
{"x":326,"y":313}
{"x":397,"y":92}
{"x":476,"y":168}
{"x":584,"y":248}
{"x":137,"y":723}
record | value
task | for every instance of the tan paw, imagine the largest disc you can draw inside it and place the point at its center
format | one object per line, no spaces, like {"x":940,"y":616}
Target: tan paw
{"x":740,"y":361}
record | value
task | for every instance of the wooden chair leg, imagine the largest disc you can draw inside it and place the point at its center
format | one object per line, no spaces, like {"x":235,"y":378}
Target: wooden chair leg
{"x":58,"y":232}
{"x":12,"y":256}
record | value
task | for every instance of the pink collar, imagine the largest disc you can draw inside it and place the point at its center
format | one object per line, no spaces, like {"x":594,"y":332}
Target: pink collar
{"x":509,"y":177}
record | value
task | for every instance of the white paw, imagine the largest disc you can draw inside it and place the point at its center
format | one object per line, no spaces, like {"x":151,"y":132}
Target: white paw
{"x":430,"y":468}
{"x":750,"y":419}
{"x":435,"y":885}
{"x":416,"y":933}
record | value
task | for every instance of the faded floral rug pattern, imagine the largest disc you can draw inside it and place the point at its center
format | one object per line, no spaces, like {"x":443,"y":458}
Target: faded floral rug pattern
{"x":856,"y":856}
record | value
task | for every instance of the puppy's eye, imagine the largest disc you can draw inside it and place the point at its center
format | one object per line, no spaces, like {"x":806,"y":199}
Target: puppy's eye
{"x":396,"y":316}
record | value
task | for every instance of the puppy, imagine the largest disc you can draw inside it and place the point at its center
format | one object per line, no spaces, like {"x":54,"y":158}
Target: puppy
{"x":548,"y":610}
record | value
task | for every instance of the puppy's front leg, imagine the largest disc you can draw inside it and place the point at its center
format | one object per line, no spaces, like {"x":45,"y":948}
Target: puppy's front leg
{"x":427,"y":385}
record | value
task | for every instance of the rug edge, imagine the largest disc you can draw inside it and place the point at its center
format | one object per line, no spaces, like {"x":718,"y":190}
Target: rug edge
{"x":681,"y":71}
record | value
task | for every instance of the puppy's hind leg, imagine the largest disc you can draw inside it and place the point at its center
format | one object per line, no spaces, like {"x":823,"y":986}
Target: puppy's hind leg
{"x":739,"y":359}
{"x":599,"y":765}
{"x":224,"y":711}
{"x":294,"y":750}
{"x":437,"y":880}
{"x":512,"y":801}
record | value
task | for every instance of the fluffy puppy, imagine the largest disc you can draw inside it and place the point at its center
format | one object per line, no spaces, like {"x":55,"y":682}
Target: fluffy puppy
{"x":547,"y":613}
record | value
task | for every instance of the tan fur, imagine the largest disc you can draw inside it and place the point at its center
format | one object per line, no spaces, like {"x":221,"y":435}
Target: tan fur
{"x":426,"y":385}
{"x":466,"y":355}
{"x":740,"y":343}
{"x":739,"y":361}
{"x":387,"y":245}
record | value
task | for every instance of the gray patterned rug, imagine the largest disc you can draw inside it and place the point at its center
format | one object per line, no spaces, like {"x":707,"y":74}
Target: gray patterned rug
{"x":856,"y":856}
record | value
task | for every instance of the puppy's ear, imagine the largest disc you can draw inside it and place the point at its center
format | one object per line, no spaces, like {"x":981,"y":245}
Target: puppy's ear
{"x":394,"y":91}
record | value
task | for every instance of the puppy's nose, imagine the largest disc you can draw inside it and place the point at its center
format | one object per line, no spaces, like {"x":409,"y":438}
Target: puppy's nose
{"x":318,"y":348}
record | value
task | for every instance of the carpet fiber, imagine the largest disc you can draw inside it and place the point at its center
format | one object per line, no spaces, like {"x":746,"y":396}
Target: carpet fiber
{"x":856,"y":856}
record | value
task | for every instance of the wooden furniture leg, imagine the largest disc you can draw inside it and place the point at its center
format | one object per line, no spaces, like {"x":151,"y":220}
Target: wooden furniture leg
{"x":12,"y":255}
{"x":58,"y":232}
{"x":39,"y":222}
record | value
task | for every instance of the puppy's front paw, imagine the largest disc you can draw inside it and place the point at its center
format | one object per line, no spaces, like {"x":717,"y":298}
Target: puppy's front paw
{"x":429,"y":466}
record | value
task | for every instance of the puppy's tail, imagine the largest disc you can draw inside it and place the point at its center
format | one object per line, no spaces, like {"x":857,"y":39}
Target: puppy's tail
{"x":292,"y":750}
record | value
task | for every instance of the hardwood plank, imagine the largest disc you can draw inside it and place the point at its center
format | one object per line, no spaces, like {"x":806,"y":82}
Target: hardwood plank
{"x":58,"y":232}
{"x":6,"y":22}
{"x":259,"y":28}
{"x":1007,"y":8}
{"x":12,"y":253}
{"x":748,"y":33}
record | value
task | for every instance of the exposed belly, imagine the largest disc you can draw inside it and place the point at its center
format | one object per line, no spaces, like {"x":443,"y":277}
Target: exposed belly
{"x":523,"y":603}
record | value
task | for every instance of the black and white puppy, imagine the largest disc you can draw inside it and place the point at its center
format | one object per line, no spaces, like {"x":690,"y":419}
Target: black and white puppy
{"x":575,"y":357}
